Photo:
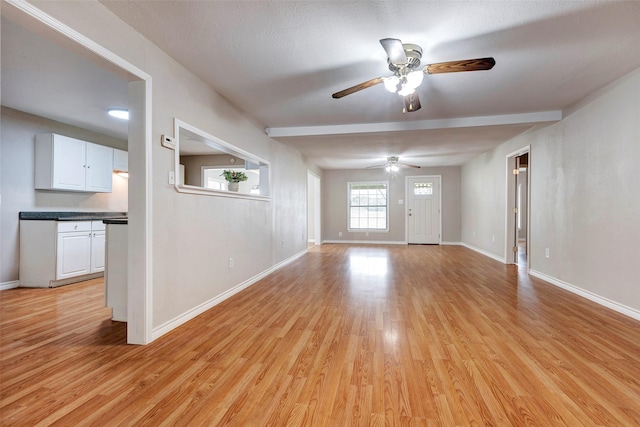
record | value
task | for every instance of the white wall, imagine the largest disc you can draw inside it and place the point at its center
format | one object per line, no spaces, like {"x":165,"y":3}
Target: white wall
{"x":585,"y":199}
{"x":18,"y":171}
{"x":335,"y":211}
{"x":193,"y":236}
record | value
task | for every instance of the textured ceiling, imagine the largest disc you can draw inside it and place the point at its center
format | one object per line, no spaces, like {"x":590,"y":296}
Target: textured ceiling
{"x":42,"y":78}
{"x":280,"y":61}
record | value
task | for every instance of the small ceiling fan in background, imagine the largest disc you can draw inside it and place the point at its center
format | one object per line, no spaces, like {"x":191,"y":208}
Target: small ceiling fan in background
{"x":393,"y":165}
{"x":404,"y":60}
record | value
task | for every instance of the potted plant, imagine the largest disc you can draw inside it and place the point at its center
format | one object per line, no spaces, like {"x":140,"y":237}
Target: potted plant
{"x":234,"y":178}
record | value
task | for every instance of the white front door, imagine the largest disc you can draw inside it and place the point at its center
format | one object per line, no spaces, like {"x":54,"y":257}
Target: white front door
{"x":423,"y":210}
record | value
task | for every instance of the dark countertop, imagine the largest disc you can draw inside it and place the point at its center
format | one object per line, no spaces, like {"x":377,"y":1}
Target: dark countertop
{"x":72,"y":216}
{"x":123,"y":221}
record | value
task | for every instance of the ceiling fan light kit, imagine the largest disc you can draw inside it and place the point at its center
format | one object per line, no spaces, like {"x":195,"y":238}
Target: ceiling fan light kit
{"x":404,"y":60}
{"x":393,"y":165}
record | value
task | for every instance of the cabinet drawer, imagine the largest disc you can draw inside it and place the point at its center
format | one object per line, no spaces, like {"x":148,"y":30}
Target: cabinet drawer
{"x":98,"y":226}
{"x":67,"y":226}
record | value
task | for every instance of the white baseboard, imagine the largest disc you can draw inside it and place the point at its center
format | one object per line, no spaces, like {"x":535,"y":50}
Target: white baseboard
{"x":451,"y":243}
{"x":185,"y":317}
{"x":613,"y":305}
{"x":9,"y":285}
{"x":366,"y":242}
{"x":485,"y":253}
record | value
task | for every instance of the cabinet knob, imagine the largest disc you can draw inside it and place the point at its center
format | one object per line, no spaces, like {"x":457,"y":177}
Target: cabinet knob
{"x":75,"y":227}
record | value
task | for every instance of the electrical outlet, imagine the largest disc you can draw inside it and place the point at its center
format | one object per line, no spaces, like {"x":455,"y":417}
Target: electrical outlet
{"x":493,"y":238}
{"x":282,"y":243}
{"x":339,"y":233}
{"x":366,"y":234}
{"x":230,"y":262}
{"x":546,"y":252}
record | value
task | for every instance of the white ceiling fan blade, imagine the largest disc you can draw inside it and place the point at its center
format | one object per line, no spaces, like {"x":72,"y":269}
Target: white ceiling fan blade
{"x":409,"y":166}
{"x":395,"y":51}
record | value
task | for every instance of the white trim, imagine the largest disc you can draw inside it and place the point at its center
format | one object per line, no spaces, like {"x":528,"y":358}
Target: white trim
{"x":460,"y":122}
{"x":387,"y":212}
{"x":139,"y":325}
{"x":192,"y":189}
{"x":9,"y":285}
{"x":451,"y":243}
{"x":317,"y":215}
{"x":366,"y":242}
{"x":233,"y":151}
{"x":613,"y":305}
{"x":77,"y":37}
{"x":188,"y":315}
{"x":509,"y":220}
{"x":483,"y":252}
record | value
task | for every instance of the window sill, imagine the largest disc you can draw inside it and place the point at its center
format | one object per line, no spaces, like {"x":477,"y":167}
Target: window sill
{"x":366,"y":230}
{"x":190,"y":189}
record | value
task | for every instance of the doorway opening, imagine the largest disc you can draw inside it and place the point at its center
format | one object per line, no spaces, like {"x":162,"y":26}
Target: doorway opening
{"x":518,"y":190}
{"x":314,"y":232}
{"x":139,"y":275}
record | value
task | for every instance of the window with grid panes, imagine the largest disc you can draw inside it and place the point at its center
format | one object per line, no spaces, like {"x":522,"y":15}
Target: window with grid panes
{"x":368,"y":206}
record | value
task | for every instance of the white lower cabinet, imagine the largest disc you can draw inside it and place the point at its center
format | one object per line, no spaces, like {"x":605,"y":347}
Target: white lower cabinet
{"x":74,"y":254}
{"x":54,"y":253}
{"x":98,"y":242}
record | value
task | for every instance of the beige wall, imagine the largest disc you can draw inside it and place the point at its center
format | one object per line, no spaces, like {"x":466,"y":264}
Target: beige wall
{"x":193,"y":236}
{"x":334,"y":203}
{"x":18,"y":171}
{"x":585,"y":204}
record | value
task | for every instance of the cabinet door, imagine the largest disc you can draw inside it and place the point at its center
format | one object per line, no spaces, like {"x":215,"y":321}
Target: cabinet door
{"x":69,"y":165}
{"x":74,"y":254}
{"x":99,"y":168}
{"x":120,"y":160}
{"x":98,"y":240}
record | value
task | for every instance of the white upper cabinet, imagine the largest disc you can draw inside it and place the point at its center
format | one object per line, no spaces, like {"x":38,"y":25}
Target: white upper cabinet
{"x":120,"y":160}
{"x":99,"y":168}
{"x":69,"y":164}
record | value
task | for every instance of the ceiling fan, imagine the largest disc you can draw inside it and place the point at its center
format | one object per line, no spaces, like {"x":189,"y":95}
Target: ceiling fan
{"x":404,"y":60}
{"x":393,"y":165}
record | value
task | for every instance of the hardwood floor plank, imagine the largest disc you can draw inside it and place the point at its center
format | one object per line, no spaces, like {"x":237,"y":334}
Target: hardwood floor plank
{"x":346,"y":335}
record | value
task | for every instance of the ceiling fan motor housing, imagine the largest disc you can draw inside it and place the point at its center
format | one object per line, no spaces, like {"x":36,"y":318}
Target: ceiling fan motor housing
{"x":414,"y":55}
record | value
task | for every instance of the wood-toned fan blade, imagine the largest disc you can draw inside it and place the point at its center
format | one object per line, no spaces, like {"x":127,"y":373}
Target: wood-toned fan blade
{"x":375,"y":167}
{"x":395,"y":51}
{"x":409,"y":166}
{"x":357,"y":88}
{"x":412,"y":103}
{"x":458,"y":66}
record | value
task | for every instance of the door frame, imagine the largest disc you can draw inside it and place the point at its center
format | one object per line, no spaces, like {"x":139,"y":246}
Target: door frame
{"x":140,"y":228}
{"x":317,"y":219}
{"x":511,"y":257}
{"x":406,"y":211}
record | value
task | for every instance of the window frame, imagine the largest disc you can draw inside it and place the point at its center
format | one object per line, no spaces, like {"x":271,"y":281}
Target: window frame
{"x":350,"y":184}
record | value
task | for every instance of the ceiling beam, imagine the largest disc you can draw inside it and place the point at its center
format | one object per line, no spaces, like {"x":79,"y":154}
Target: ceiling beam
{"x":461,"y":122}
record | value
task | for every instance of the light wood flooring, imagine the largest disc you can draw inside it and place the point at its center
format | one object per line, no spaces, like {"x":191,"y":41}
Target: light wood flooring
{"x":345,"y":335}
